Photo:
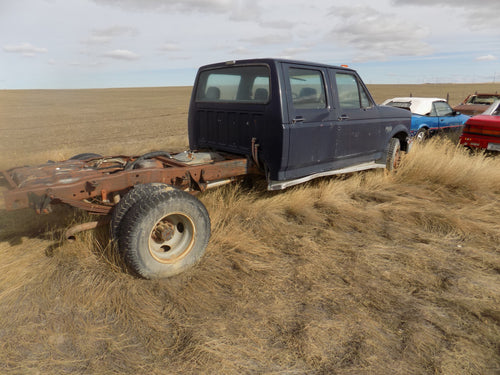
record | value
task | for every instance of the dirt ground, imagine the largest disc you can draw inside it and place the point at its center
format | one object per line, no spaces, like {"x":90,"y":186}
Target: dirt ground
{"x":370,"y":273}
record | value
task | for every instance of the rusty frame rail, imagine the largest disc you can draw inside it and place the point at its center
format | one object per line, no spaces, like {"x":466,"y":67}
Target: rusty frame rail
{"x":96,"y":190}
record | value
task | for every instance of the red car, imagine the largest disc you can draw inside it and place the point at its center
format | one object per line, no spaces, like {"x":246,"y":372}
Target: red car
{"x":483,"y":131}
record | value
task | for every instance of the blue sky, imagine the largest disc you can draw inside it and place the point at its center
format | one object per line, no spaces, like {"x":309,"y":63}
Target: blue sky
{"x":48,"y":44}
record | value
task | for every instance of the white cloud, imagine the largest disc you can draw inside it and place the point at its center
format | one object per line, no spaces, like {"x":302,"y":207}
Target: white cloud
{"x":292,"y":51}
{"x":268,"y":39}
{"x":97,"y":40}
{"x":486,"y":58}
{"x":376,"y":35}
{"x":171,"y":5}
{"x":116,"y":30}
{"x":25,"y":49}
{"x":480,"y":14}
{"x":245,"y":10}
{"x":106,"y":35}
{"x":241,"y":51}
{"x":170,"y":47}
{"x":121,"y":54}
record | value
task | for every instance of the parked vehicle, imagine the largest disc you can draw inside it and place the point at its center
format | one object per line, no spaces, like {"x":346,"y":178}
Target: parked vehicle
{"x":476,"y":104}
{"x":483,"y":131}
{"x":288,"y":121}
{"x":429,"y":116}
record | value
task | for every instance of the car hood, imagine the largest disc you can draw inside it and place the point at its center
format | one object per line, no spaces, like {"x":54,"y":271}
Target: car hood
{"x":471,"y":109}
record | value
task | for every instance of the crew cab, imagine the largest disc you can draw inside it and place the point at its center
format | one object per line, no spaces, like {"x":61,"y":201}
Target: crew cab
{"x":288,"y":121}
{"x":297,"y":120}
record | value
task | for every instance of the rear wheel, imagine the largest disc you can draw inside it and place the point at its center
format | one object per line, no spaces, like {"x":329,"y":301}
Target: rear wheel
{"x":137,"y":193}
{"x":393,"y":154}
{"x":164,"y":234}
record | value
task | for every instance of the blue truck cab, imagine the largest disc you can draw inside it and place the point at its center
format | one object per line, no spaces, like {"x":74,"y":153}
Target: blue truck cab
{"x":296,"y":120}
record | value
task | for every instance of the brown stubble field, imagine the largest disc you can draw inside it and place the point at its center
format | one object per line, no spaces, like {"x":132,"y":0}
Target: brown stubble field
{"x":369,"y":273}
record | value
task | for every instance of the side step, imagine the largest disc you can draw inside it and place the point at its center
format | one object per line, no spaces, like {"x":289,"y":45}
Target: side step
{"x":280,"y":185}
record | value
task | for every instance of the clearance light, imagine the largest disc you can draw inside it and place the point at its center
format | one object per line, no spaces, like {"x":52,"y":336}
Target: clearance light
{"x":344,"y":66}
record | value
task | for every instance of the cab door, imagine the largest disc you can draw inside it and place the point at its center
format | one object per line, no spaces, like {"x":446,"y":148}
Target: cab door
{"x":310,"y":125}
{"x":359,"y":128}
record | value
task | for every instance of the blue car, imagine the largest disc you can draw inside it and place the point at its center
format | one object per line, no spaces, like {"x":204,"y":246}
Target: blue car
{"x":429,"y":116}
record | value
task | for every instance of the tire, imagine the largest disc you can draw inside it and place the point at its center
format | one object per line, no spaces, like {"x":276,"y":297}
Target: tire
{"x":164,"y":234}
{"x":393,"y":154}
{"x":138,"y":192}
{"x":85,"y":156}
{"x":422,"y":135}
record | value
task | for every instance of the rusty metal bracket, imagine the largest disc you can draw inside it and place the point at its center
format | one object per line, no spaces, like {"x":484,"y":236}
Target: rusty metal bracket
{"x":195,"y":185}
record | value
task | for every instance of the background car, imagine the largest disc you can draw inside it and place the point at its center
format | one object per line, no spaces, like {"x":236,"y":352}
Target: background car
{"x":483,"y":131}
{"x":476,"y":104}
{"x":429,"y":116}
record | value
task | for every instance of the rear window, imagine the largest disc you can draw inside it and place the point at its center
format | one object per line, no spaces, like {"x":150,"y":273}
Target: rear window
{"x":238,"y":84}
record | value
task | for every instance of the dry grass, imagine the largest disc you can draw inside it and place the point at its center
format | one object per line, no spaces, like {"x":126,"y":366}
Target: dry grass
{"x":363,"y":274}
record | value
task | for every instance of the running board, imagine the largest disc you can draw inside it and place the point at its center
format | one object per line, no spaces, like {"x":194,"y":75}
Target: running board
{"x":280,"y":185}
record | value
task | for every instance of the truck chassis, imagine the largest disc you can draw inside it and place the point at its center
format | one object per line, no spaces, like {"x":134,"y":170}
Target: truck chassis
{"x":96,"y":184}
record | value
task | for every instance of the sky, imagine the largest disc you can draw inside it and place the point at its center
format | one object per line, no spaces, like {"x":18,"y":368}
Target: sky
{"x":58,"y":44}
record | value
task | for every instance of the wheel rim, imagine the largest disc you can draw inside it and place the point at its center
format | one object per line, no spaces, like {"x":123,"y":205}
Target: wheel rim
{"x":397,"y":158}
{"x":171,"y":238}
{"x":421,"y":136}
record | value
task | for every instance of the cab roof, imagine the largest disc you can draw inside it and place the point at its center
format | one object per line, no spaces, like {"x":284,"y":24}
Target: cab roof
{"x":272,"y":61}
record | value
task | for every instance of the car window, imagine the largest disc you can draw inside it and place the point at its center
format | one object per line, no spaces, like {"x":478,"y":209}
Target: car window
{"x":441,"y":109}
{"x":351,"y":95}
{"x":234,"y":84}
{"x":308,"y":88}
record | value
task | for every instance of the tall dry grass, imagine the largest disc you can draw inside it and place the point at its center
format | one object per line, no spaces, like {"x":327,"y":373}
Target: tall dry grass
{"x":370,"y":273}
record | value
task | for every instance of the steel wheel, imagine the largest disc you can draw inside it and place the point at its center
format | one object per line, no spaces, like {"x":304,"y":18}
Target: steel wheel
{"x":164,"y":233}
{"x":172,"y":238}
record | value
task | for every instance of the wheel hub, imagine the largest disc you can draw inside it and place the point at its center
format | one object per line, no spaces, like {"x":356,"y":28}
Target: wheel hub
{"x":164,"y":231}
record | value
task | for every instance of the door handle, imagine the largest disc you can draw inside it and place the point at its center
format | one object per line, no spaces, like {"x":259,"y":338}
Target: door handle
{"x":298,"y":119}
{"x":343,"y":117}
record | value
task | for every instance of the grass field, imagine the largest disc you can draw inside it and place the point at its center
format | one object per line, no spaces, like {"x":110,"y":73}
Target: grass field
{"x":369,"y":273}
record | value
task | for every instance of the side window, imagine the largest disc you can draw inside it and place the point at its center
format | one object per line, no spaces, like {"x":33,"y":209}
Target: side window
{"x":308,"y":88}
{"x":351,"y":95}
{"x":441,"y":109}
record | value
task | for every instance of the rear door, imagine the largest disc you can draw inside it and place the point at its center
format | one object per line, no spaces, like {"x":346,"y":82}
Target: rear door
{"x":360,"y":131}
{"x":311,"y":128}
